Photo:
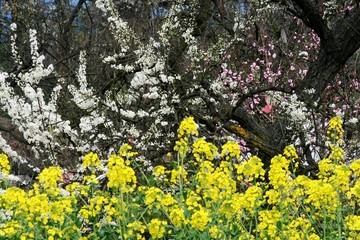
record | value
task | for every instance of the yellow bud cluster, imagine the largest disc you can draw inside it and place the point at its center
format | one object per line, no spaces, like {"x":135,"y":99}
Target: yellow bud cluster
{"x":335,"y":130}
{"x":188,"y":127}
{"x":4,"y":164}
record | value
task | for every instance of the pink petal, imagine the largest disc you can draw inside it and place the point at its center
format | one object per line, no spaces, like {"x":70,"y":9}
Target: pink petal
{"x":267,"y":109}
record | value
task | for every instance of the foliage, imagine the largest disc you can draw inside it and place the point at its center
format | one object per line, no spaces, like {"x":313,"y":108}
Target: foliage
{"x":206,"y":194}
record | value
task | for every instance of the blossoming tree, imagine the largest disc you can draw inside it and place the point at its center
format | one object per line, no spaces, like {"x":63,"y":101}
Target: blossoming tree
{"x":107,"y":72}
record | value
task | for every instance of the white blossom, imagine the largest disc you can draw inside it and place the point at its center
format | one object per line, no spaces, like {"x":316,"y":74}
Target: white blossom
{"x":353,"y":120}
{"x":127,"y":113}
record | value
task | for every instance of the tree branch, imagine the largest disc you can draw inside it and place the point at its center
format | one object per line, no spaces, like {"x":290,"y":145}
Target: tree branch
{"x":333,"y":54}
{"x":310,"y":14}
{"x":73,"y":15}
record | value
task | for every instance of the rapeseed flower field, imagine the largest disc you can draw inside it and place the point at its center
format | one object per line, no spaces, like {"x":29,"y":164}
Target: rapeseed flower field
{"x":206,"y":193}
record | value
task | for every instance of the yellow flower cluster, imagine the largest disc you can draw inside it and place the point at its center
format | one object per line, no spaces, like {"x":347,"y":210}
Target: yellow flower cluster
{"x":182,"y":147}
{"x":251,"y":169}
{"x":268,"y":224}
{"x":56,"y":213}
{"x":353,"y":222}
{"x":187,"y":127}
{"x":335,"y":130}
{"x":230,"y":150}
{"x":279,"y":174}
{"x":135,"y":230}
{"x":336,"y":154}
{"x":91,"y":160}
{"x":202,"y":199}
{"x":177,"y":217}
{"x":203,"y":150}
{"x":215,"y":183}
{"x":299,"y":228}
{"x":200,"y":219}
{"x":216,"y":233}
{"x":291,"y":154}
{"x":193,"y":201}
{"x":95,"y":207}
{"x":49,"y":178}
{"x":320,"y":196}
{"x":27,"y":212}
{"x":178,"y":175}
{"x":125,"y":151}
{"x":159,"y":172}
{"x":4,"y":164}
{"x":153,"y":194}
{"x":355,"y":167}
{"x":120,"y":175}
{"x":157,"y":228}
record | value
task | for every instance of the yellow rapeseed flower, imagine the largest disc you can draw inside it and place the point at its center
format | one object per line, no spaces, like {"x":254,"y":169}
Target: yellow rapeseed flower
{"x":116,"y":208}
{"x":54,"y":233}
{"x":135,"y":229}
{"x":251,"y":169}
{"x":291,"y":154}
{"x":340,"y":178}
{"x":335,"y":129}
{"x":167,"y":200}
{"x":91,"y":160}
{"x":215,"y":232}
{"x":297,"y":229}
{"x":13,"y":198}
{"x":48,"y":179}
{"x":352,"y":222}
{"x":177,"y":217}
{"x":178,"y":173}
{"x":222,"y":179}
{"x":336,"y":154}
{"x":157,"y":228}
{"x":233,"y":206}
{"x":182,"y":147}
{"x":39,"y":208}
{"x":4,"y":164}
{"x":322,"y":196}
{"x":187,"y":127}
{"x":159,"y":172}
{"x":326,"y":166}
{"x":200,"y":219}
{"x":192,"y":201}
{"x":203,"y":150}
{"x":355,"y":167}
{"x":252,"y":199}
{"x":279,"y":173}
{"x":26,"y":236}
{"x":314,"y":236}
{"x":268,"y":223}
{"x":90,"y":179}
{"x":152,"y":195}
{"x":273,"y":196}
{"x":230,"y":150}
{"x":125,"y":151}
{"x":120,"y":175}
{"x":60,"y":208}
{"x":9,"y":229}
{"x":355,"y":190}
